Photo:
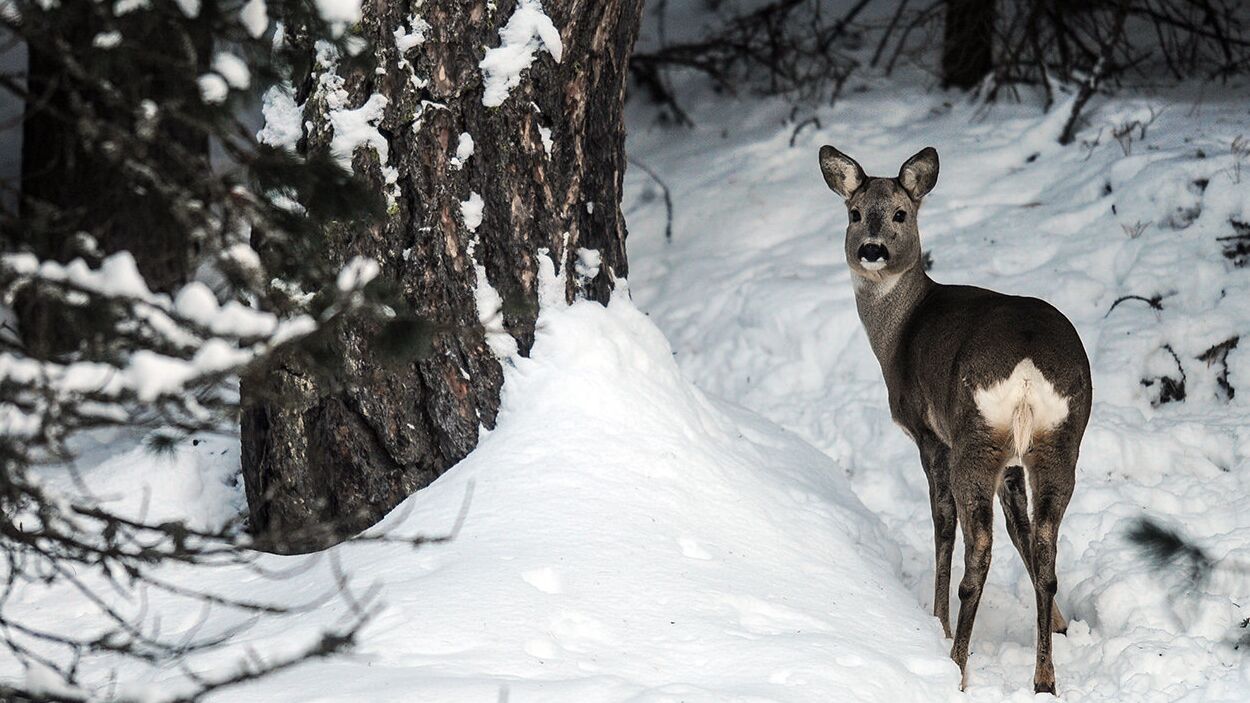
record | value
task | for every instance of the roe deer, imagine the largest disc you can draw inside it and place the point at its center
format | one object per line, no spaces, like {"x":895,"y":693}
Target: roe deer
{"x":994,"y":389}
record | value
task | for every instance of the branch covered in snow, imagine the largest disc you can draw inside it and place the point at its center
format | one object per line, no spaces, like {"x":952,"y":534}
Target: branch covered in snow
{"x":164,"y":361}
{"x":139,"y":279}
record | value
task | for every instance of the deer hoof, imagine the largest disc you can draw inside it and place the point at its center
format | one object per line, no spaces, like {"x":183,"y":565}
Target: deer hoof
{"x":1044,"y":687}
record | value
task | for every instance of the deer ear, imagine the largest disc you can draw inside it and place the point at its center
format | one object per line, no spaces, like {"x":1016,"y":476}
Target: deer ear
{"x":919,"y":174}
{"x":843,"y":175}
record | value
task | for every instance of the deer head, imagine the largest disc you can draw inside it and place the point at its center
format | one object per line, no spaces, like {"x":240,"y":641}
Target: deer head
{"x":882,"y":237}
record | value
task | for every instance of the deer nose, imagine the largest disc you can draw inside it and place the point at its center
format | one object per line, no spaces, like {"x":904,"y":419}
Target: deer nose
{"x":872,"y":253}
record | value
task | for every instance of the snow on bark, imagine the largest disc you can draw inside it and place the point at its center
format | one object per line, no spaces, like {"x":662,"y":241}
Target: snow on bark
{"x":471,"y":211}
{"x":412,"y":36}
{"x":545,"y":134}
{"x":362,"y":445}
{"x":528,"y":30}
{"x":490,"y":313}
{"x":588,"y":263}
{"x":464,"y":150}
{"x":354,"y":128}
{"x":284,"y":119}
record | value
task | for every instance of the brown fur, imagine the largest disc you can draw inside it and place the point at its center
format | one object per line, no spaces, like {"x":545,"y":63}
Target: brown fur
{"x":937,"y":345}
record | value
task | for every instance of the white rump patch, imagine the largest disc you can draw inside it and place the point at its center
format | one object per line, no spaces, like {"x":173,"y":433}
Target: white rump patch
{"x":1024,"y":402}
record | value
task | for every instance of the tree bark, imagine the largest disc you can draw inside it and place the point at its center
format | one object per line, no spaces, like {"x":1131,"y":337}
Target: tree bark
{"x":325,"y":457}
{"x":968,"y":44}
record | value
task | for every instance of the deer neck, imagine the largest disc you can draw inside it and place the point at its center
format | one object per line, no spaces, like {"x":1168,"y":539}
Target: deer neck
{"x":885,"y":303}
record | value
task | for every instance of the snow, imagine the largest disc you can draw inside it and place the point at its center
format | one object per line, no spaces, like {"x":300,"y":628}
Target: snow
{"x":117,"y":275}
{"x":754,"y":294}
{"x":358,"y":273}
{"x":190,"y":8}
{"x":358,"y":127}
{"x":233,"y":69}
{"x":284,"y":119}
{"x":197,"y":303}
{"x":224,"y":337}
{"x":464,"y":150}
{"x":490,"y":313}
{"x":545,"y":134}
{"x":41,"y":680}
{"x":588,"y":262}
{"x":471,"y":211}
{"x":527,"y":31}
{"x":721,"y":559}
{"x":697,"y":493}
{"x":255,"y":17}
{"x":213,"y":88}
{"x":344,"y":12}
{"x":107,"y":40}
{"x":244,"y":256}
{"x":122,"y":7}
{"x":411,"y":37}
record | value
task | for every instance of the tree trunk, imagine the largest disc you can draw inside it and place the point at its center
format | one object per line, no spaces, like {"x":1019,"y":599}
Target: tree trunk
{"x":967,"y":48}
{"x":324,"y":456}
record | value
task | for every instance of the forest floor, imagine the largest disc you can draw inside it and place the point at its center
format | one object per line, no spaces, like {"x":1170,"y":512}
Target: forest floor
{"x":698,"y":494}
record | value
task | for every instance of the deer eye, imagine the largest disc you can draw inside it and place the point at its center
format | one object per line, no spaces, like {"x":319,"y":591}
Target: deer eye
{"x":855,"y":217}
{"x":900,"y":216}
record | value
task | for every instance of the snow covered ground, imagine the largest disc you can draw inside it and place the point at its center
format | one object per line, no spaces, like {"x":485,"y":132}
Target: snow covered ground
{"x":707,"y":501}
{"x":755,"y":298}
{"x":627,"y":538}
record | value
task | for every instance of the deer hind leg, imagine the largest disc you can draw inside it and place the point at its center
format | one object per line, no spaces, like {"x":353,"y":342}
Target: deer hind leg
{"x":974,"y":473}
{"x":1015,"y":501}
{"x":1052,"y":473}
{"x":934,"y":456}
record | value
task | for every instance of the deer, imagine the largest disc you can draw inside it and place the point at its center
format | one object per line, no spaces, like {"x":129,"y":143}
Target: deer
{"x":994,"y":390}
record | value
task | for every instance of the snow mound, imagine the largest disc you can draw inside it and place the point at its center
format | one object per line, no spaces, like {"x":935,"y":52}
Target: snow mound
{"x":626,"y":538}
{"x":630,"y":539}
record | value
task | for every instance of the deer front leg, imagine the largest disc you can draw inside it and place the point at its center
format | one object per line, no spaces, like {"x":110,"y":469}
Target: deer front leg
{"x":933,"y":456}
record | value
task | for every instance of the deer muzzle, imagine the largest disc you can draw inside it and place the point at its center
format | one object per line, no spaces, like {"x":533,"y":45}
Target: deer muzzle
{"x":873,"y":256}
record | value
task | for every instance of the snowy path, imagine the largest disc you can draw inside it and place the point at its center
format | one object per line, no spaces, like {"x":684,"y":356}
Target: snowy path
{"x":754,"y":296}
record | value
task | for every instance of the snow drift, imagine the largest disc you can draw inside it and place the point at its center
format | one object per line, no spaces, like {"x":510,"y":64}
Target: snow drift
{"x":630,"y":539}
{"x":627,"y":538}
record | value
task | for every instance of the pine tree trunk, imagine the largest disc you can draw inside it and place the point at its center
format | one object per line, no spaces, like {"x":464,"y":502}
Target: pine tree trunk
{"x":325,"y":457}
{"x":967,"y":48}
